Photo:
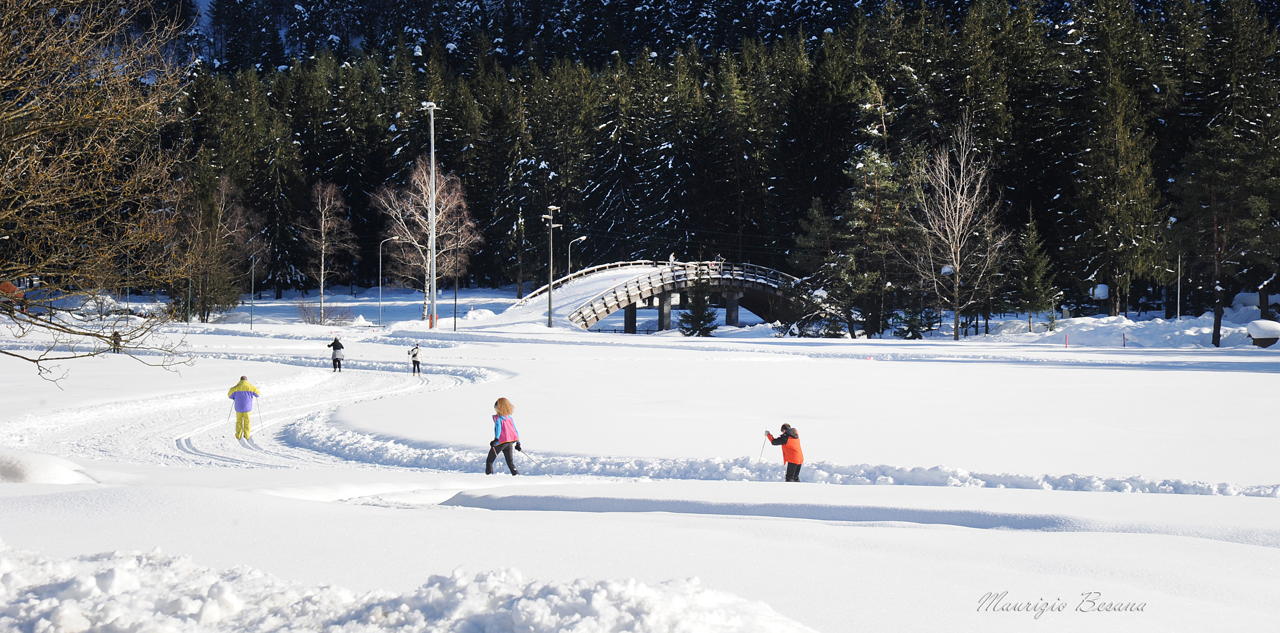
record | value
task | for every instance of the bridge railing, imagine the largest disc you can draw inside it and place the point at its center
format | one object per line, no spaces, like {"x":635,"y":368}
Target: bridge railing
{"x":583,"y":273}
{"x":673,"y":275}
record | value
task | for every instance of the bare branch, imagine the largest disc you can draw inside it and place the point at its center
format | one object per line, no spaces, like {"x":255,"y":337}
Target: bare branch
{"x":88,"y":201}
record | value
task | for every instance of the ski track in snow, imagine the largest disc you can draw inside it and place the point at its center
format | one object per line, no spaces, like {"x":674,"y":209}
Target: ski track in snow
{"x":178,"y":428}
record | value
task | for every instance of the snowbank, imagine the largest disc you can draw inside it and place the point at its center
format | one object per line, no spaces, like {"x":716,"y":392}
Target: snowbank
{"x":1120,"y":331}
{"x":365,"y":448}
{"x":154,"y":592}
{"x":34,"y":468}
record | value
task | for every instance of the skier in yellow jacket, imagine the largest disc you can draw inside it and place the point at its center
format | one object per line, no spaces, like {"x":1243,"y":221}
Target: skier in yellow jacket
{"x":243,"y":395}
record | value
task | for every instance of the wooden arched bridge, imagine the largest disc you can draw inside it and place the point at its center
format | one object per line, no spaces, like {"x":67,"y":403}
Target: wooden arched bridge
{"x":764,"y":291}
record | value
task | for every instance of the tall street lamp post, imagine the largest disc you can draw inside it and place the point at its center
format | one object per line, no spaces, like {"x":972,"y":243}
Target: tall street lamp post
{"x":551,"y":255}
{"x":431,"y":241}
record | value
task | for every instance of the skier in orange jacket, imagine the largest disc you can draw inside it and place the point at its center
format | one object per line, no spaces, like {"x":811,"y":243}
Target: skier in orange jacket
{"x":789,"y":440}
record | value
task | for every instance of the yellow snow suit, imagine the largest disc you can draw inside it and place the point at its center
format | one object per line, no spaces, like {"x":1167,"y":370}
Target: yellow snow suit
{"x":242,"y":401}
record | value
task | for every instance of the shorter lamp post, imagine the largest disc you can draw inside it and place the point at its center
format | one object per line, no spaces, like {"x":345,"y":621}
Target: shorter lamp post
{"x":570,"y":260}
{"x":551,"y":255}
{"x":389,"y":239}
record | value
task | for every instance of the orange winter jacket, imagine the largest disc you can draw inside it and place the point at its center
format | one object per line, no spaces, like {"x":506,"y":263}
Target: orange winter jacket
{"x":790,"y":443}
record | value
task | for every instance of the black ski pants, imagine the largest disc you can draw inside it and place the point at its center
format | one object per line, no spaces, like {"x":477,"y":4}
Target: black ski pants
{"x":506,"y":448}
{"x":337,"y":364}
{"x":417,"y":367}
{"x":793,"y":472}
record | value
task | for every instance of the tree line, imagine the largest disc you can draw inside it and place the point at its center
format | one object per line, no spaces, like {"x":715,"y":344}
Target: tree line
{"x":1128,"y":136}
{"x":1121,"y":142}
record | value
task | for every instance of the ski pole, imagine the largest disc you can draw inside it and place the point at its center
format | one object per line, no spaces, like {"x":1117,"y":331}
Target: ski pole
{"x":535,"y":459}
{"x":763,"y":442}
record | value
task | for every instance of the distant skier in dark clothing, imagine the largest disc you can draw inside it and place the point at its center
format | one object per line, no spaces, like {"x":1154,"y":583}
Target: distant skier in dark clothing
{"x":505,"y":436}
{"x":789,"y":440}
{"x":337,"y":353}
{"x":413,"y":355}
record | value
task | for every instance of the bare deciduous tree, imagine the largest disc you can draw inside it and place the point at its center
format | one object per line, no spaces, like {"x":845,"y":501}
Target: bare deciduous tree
{"x":329,"y":235}
{"x":408,"y":218}
{"x":959,"y":242}
{"x":217,"y":229}
{"x":87,"y":200}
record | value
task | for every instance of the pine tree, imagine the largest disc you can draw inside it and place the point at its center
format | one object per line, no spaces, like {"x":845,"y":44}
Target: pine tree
{"x":1230,"y":185}
{"x":735,"y":198}
{"x":1117,"y":200}
{"x":274,"y":189}
{"x":1118,"y":196}
{"x":822,"y":120}
{"x":1036,"y":293}
{"x":700,"y":318}
{"x":616,"y":196}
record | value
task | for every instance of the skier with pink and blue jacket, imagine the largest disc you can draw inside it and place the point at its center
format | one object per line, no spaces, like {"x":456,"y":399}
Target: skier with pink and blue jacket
{"x":505,"y":436}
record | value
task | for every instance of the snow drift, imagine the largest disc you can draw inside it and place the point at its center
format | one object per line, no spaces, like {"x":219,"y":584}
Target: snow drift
{"x":360,"y":447}
{"x":133,"y":592}
{"x":34,"y":468}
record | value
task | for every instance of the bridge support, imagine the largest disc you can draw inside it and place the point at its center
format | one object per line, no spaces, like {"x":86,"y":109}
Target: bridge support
{"x":629,"y":319}
{"x":664,"y":311}
{"x":731,"y":299}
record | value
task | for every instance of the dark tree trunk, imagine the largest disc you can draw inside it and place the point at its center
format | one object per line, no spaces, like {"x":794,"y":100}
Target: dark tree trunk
{"x":873,"y":319}
{"x":955,"y":319}
{"x":1217,"y":319}
{"x":1264,"y":301}
{"x":1217,"y":281}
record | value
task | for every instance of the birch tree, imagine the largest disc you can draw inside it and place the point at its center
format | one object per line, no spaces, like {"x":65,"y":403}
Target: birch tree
{"x":329,"y":235}
{"x":958,"y":241}
{"x":408,"y":212}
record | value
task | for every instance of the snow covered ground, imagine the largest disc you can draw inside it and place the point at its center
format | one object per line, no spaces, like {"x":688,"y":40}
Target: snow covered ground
{"x":1013,"y":477}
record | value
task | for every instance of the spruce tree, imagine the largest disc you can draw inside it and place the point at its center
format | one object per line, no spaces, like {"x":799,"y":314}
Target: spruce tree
{"x":1118,"y":197}
{"x":1036,"y":293}
{"x":700,"y":318}
{"x":618,"y":189}
{"x":1230,"y":185}
{"x":1118,"y":225}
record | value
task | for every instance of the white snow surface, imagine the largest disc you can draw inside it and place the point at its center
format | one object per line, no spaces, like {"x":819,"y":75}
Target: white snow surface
{"x":937,"y":473}
{"x":34,"y":468}
{"x":157,"y":592}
